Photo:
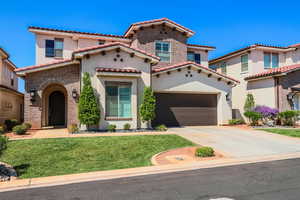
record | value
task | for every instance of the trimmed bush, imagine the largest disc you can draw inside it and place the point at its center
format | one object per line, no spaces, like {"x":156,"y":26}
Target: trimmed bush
{"x":27,"y":125}
{"x":161,"y":127}
{"x":3,"y":143}
{"x":88,"y":107}
{"x":20,"y":130}
{"x":112,"y":128}
{"x":1,"y":130}
{"x":253,"y":117}
{"x":127,"y":126}
{"x":289,"y":117}
{"x":73,"y":128}
{"x":147,"y":108}
{"x":236,"y":121}
{"x":10,"y":123}
{"x":205,"y":152}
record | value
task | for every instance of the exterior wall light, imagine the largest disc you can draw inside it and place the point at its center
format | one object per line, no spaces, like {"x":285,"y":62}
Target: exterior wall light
{"x":228,"y":97}
{"x":32,"y":93}
{"x":74,"y":93}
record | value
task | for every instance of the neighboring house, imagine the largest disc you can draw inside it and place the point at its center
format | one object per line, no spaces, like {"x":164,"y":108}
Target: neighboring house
{"x":270,"y":73}
{"x":151,"y":53}
{"x":11,"y":101}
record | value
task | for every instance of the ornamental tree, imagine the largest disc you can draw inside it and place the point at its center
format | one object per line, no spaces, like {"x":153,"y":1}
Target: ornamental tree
{"x":249,"y":103}
{"x":147,"y":108}
{"x":89,"y":112}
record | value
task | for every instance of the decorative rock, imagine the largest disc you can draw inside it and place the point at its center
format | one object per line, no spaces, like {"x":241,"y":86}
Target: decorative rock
{"x":7,"y":172}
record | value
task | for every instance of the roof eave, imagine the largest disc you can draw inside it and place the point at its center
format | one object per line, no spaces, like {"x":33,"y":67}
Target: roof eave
{"x":79,"y":35}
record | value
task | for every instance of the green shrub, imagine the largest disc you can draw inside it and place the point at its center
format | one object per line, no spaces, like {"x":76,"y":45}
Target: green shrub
{"x":20,"y":130}
{"x":10,"y":123}
{"x":236,"y":121}
{"x":88,"y":107}
{"x":111,"y":128}
{"x":1,"y":130}
{"x":205,"y":152}
{"x":27,"y":125}
{"x":127,"y":126}
{"x":289,"y":117}
{"x":253,"y":117}
{"x":73,"y":128}
{"x":161,"y":128}
{"x":3,"y":143}
{"x":147,"y":108}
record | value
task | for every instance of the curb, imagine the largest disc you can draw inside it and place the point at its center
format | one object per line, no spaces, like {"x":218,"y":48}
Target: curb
{"x":132,"y":172}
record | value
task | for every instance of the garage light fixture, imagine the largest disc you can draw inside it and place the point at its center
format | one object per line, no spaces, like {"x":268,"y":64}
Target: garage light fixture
{"x":32,"y":93}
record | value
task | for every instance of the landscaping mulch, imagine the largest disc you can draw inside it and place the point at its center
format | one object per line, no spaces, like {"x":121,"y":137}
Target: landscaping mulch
{"x":181,"y":155}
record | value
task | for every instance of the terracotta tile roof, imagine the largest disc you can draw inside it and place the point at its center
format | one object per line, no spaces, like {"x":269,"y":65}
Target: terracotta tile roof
{"x":197,"y":45}
{"x":246,"y":48}
{"x":295,"y":45}
{"x":115,"y":44}
{"x":156,"y":70}
{"x":104,"y":69}
{"x":76,"y":32}
{"x":158,"y":20}
{"x":42,"y":65}
{"x":274,"y":71}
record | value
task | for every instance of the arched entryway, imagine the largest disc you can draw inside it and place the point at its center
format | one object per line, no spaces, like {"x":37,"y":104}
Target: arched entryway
{"x":55,"y":106}
{"x":56,"y":109}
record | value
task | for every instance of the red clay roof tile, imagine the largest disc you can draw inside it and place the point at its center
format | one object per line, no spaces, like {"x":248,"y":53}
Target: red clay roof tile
{"x":274,"y":71}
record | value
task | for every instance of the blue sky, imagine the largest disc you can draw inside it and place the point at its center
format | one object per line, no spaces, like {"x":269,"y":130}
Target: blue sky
{"x":228,"y":25}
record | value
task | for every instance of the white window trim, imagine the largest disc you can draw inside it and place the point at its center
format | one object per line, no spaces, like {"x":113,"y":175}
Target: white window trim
{"x":245,"y":72}
{"x":170,"y":49}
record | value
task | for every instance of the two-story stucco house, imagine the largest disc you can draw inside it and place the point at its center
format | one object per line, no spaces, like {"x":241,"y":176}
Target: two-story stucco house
{"x":270,"y":73}
{"x":11,"y":101}
{"x":152,"y":53}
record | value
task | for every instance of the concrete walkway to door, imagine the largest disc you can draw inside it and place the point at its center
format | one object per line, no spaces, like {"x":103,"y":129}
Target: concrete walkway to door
{"x":240,"y":143}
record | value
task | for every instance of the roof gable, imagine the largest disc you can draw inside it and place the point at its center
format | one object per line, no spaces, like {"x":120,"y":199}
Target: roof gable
{"x":117,"y":46}
{"x":165,"y":21}
{"x":200,"y":68}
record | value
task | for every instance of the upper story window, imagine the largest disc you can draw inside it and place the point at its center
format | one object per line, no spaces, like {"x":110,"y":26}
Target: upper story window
{"x":194,"y":57}
{"x":100,"y":42}
{"x":162,"y":50}
{"x":244,"y":63}
{"x":54,"y":48}
{"x":12,"y":79}
{"x":271,"y":60}
{"x":224,"y":68}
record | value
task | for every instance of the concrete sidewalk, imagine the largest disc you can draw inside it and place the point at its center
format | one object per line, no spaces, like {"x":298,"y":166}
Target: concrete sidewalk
{"x":121,"y":173}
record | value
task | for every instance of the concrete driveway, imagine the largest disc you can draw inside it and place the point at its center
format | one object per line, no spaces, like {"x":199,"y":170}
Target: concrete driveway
{"x":239,"y":143}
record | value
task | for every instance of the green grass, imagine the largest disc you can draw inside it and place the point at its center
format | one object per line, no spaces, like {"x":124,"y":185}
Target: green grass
{"x":287,"y":132}
{"x":48,"y":157}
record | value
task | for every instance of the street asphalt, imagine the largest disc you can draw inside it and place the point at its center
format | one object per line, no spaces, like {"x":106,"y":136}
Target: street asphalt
{"x":276,"y":180}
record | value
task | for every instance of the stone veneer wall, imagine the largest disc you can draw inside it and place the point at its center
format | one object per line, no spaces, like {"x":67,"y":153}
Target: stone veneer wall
{"x":67,"y":76}
{"x":145,"y":40}
{"x":285,"y":84}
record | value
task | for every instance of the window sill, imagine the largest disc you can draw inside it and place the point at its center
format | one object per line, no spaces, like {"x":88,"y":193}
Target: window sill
{"x":118,"y":119}
{"x":246,"y":72}
{"x":58,"y":58}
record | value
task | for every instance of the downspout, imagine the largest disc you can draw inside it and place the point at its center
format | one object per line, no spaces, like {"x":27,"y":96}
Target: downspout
{"x":276,"y":79}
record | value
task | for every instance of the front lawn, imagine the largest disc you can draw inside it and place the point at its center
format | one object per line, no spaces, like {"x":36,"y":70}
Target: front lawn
{"x":49,"y":157}
{"x":287,"y":132}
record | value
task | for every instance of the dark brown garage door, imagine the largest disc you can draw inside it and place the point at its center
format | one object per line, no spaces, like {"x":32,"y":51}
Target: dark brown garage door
{"x":185,"y":109}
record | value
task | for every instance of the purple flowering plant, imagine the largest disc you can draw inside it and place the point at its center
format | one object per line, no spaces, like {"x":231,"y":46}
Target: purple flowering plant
{"x":266,"y":111}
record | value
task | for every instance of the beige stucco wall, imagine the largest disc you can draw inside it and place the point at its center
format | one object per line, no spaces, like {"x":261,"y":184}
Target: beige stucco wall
{"x":263,"y":92}
{"x":70,"y":44}
{"x":292,"y":57}
{"x":198,"y":83}
{"x":138,"y":83}
{"x":5,"y":76}
{"x":11,"y":104}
